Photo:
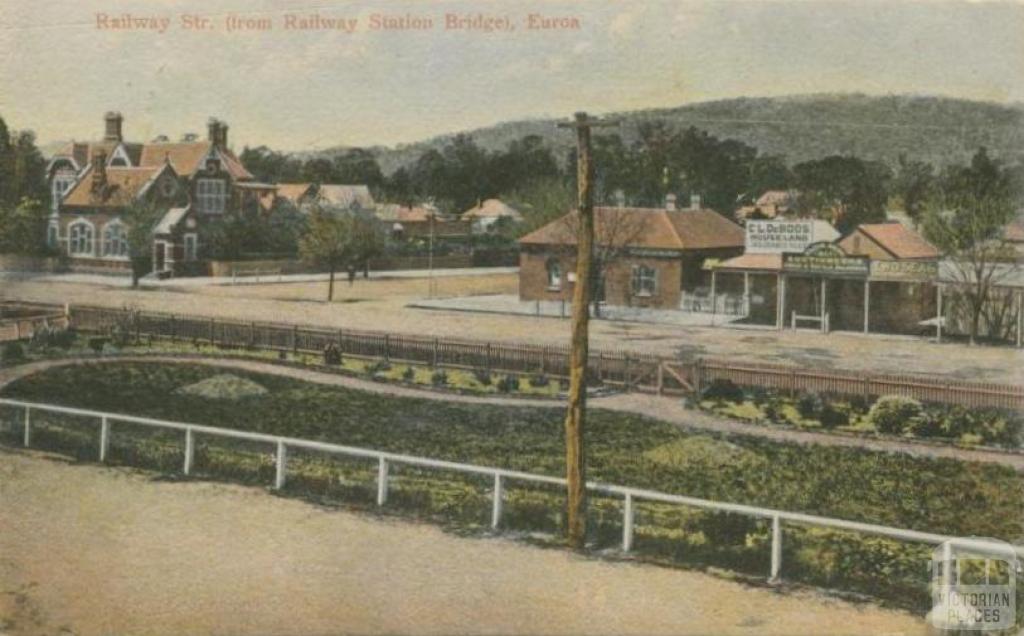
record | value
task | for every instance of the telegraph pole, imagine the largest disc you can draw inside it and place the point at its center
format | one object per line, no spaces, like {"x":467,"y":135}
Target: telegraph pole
{"x":575,"y":473}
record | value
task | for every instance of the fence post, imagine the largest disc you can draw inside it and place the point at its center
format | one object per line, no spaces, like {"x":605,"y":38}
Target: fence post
{"x":776,"y":549}
{"x":282,"y":461}
{"x":252,"y":334}
{"x":382,"y":481}
{"x":295,"y":339}
{"x":104,"y":437}
{"x":627,"y":385}
{"x":627,"y":523}
{"x":341,"y":341}
{"x":190,"y":450}
{"x":174,"y":330}
{"x":487,"y":367}
{"x":661,"y":377}
{"x":496,"y":503}
{"x":28,"y":427}
{"x":387,"y":347}
{"x":436,"y":346}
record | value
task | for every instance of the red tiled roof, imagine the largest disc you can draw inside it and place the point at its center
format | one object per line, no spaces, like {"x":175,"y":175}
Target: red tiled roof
{"x":653,"y":228}
{"x":899,"y":240}
{"x":293,"y":192}
{"x":122,"y":187}
{"x":187,"y":157}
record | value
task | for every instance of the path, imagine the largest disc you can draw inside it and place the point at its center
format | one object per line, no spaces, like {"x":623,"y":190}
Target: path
{"x":662,"y":408}
{"x":98,"y":550}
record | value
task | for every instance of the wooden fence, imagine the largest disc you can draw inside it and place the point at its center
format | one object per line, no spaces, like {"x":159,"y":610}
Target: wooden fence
{"x":629,"y":370}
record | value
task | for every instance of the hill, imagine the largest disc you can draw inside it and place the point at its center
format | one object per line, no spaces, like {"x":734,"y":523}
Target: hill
{"x":940,"y":130}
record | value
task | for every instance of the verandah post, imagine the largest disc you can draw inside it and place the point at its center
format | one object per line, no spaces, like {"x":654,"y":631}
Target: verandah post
{"x":282,"y":462}
{"x":28,"y":427}
{"x":190,"y":451}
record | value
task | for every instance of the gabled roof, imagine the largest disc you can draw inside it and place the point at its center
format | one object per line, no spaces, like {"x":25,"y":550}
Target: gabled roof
{"x":345,"y":196}
{"x":187,"y":157}
{"x":293,"y":192}
{"x":123,"y":186}
{"x":492,"y":208}
{"x":652,"y":228}
{"x":171,"y":219}
{"x":899,"y":240}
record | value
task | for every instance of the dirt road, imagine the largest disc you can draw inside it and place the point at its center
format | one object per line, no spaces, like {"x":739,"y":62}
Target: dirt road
{"x":96,"y":550}
{"x":381,"y":305}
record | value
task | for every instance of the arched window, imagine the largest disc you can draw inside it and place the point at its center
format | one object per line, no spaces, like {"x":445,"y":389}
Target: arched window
{"x":554,"y":269}
{"x":80,"y":238}
{"x":115,"y":240}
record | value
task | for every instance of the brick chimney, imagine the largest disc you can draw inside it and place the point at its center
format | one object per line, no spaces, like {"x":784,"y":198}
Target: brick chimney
{"x":112,"y":126}
{"x":670,"y":201}
{"x":213,"y":130}
{"x":223,"y":137}
{"x":99,"y":170}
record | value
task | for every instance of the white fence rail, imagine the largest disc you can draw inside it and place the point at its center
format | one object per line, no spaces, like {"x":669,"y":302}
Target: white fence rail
{"x":500,"y":475}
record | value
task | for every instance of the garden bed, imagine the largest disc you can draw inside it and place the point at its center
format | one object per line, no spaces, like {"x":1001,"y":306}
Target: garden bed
{"x":890,"y":489}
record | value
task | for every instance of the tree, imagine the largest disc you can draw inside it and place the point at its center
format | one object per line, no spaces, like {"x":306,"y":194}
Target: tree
{"x":852,"y":191}
{"x":23,"y":228}
{"x":335,"y":241}
{"x":914,"y":184}
{"x":966,"y":220}
{"x":540,"y":201}
{"x":141,"y":217}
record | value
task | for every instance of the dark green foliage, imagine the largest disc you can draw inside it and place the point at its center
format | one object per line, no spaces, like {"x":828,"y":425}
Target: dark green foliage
{"x":439,"y":378}
{"x":894,"y":414}
{"x":332,"y":355}
{"x":810,"y":406}
{"x":378,"y":367}
{"x":724,"y":391}
{"x":723,"y":528}
{"x":409,"y":374}
{"x":509,"y":383}
{"x":12,"y":352}
{"x":483,"y":376}
{"x":831,"y":417}
{"x":52,"y":337}
{"x":539,"y":380}
{"x":97,"y":343}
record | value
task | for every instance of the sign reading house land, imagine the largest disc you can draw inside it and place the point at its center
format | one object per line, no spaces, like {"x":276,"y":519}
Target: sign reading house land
{"x":780,"y":237}
{"x":826,"y":259}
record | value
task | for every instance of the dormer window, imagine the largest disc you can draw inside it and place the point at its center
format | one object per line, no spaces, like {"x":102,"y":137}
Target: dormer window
{"x":211,"y":196}
{"x":62,"y":182}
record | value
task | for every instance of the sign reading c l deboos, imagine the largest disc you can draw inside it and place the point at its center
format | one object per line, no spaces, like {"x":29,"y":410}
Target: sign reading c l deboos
{"x":781,"y":237}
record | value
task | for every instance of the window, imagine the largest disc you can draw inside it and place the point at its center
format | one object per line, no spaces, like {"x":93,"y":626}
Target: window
{"x":554,"y":274}
{"x":80,"y":237}
{"x":115,"y":240}
{"x":190,"y":247}
{"x":62,"y":182}
{"x":645,"y":280}
{"x":52,"y":235}
{"x":211,"y":196}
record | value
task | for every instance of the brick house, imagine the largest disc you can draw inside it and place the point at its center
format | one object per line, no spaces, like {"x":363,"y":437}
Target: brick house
{"x":645,"y":257}
{"x":93,"y":182}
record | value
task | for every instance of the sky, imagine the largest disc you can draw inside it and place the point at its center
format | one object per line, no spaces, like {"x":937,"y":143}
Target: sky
{"x":62,"y":65}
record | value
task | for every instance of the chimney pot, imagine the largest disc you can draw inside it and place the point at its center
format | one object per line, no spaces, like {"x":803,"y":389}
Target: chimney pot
{"x":213,"y":130}
{"x":112,"y":126}
{"x":670,"y":201}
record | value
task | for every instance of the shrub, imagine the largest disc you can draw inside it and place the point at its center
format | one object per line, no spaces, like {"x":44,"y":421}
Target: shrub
{"x":96,"y":343}
{"x":439,"y":378}
{"x":760,"y":395}
{"x":380,"y":366}
{"x":831,"y":417}
{"x":508,"y":384}
{"x":483,"y":376}
{"x":12,"y":352}
{"x":723,"y":528}
{"x":810,"y":406}
{"x":281,"y":355}
{"x":894,"y":414}
{"x":859,"y":404}
{"x":539,"y":381}
{"x":772,"y":411}
{"x":332,"y":355}
{"x":929,"y":424}
{"x":409,"y":374}
{"x":721,"y":390}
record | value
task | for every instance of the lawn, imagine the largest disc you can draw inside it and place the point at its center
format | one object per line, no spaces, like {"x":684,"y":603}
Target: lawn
{"x":944,"y":496}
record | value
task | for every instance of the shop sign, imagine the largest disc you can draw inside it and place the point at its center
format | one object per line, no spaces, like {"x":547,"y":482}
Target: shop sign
{"x":825,"y":259}
{"x":923,"y":271}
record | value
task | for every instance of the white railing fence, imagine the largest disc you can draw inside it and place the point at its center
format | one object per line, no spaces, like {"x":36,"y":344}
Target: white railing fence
{"x":500,"y":475}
